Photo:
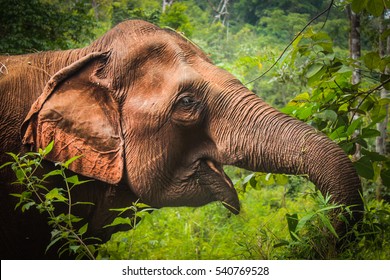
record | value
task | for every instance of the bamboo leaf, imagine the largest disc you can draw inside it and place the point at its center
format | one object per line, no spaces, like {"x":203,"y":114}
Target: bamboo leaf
{"x":325,"y":220}
{"x":304,"y":220}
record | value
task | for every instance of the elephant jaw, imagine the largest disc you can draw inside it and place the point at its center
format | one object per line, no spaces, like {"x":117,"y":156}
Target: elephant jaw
{"x":212,"y":177}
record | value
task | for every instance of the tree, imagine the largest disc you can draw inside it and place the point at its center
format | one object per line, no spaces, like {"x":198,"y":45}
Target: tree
{"x":354,"y":43}
{"x":175,"y":17}
{"x":165,"y":4}
{"x":30,"y":25}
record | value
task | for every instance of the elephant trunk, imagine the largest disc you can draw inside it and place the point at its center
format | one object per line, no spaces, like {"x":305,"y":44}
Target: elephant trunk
{"x":270,"y":141}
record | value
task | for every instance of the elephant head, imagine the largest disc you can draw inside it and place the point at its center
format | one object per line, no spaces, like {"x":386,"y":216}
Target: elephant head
{"x":147,"y":108}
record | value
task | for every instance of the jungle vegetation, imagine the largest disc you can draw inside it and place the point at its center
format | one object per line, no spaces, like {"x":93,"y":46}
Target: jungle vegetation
{"x":303,"y":57}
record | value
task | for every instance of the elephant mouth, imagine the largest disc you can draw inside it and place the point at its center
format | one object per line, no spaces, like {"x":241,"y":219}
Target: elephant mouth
{"x":210,"y":175}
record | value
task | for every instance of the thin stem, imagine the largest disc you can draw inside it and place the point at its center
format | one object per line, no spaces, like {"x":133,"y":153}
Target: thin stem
{"x":292,"y":41}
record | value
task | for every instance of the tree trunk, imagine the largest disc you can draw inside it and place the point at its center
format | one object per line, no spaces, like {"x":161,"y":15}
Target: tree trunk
{"x":355,"y":52}
{"x":165,"y":4}
{"x":384,"y":50}
{"x":354,"y":44}
{"x":222,"y":13}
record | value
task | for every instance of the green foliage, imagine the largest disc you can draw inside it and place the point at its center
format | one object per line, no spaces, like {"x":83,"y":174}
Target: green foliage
{"x":146,"y":10}
{"x":64,"y":233}
{"x":282,"y":217}
{"x":267,"y":228}
{"x":372,"y":238}
{"x":68,"y":231}
{"x":30,"y":25}
{"x":176,"y":18}
{"x":347,"y":113}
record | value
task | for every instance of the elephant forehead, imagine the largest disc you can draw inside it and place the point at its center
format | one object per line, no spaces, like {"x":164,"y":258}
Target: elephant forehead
{"x":161,"y":85}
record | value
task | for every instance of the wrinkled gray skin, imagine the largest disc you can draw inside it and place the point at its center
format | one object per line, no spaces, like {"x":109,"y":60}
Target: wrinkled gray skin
{"x":155,"y":120}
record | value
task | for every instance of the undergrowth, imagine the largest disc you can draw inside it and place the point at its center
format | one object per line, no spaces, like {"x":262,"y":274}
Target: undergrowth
{"x":272,"y":225}
{"x":280,"y":219}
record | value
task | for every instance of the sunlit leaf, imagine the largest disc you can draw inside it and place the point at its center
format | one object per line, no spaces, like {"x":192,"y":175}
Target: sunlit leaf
{"x":48,"y":149}
{"x":119,"y":221}
{"x":55,"y":194}
{"x":69,"y":161}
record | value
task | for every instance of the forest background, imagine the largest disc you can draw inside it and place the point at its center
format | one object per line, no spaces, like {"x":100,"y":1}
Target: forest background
{"x":324,"y":62}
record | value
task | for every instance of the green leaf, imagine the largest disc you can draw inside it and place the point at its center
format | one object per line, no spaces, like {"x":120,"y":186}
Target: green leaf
{"x":48,"y":149}
{"x":55,"y":194}
{"x":358,"y":5}
{"x":305,"y":112}
{"x":374,"y":156}
{"x":20,"y":175}
{"x":292,"y":222}
{"x":364,"y":167}
{"x":385,"y":81}
{"x":27,"y":205}
{"x":251,"y":179}
{"x":281,"y":179}
{"x":6,"y":164}
{"x":385,"y":176}
{"x":304,"y":220}
{"x":302,"y":97}
{"x":369,"y":133}
{"x":338,"y":133}
{"x":375,"y":7}
{"x":141,"y":205}
{"x":74,"y":248}
{"x":119,"y":221}
{"x":74,"y":180}
{"x":83,"y":229}
{"x":327,"y":115}
{"x":314,"y":69}
{"x":356,"y":124}
{"x":52,"y":173}
{"x":269,"y":179}
{"x":69,"y":161}
{"x":372,"y":60}
{"x":325,"y":220}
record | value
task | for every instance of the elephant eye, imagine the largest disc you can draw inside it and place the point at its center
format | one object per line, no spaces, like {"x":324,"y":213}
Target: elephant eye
{"x":187,"y":101}
{"x":187,"y":111}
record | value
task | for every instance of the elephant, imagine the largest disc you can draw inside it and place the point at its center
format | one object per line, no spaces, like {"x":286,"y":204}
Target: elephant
{"x":155,"y":121}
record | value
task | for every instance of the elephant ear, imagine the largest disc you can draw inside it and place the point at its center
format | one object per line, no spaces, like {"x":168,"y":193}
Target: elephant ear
{"x":78,"y":112}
